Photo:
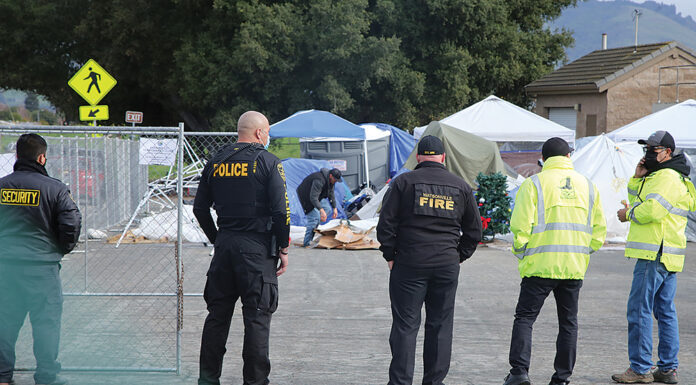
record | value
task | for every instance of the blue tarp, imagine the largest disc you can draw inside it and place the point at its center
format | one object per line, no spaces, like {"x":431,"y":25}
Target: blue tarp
{"x":295,"y":172}
{"x":316,"y":124}
{"x":401,"y":171}
{"x":400,"y":146}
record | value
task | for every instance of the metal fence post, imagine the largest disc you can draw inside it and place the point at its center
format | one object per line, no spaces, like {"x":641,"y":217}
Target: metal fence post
{"x":179,"y":246}
{"x":85,"y":220}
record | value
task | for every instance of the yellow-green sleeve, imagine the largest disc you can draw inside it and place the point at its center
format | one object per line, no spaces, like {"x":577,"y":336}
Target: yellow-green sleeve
{"x":633,"y":188}
{"x":599,"y":223}
{"x":523,"y":216}
{"x":652,"y":208}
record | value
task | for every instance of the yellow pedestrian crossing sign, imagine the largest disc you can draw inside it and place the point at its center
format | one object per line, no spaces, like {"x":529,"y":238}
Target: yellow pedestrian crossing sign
{"x":94,"y":112}
{"x":92,"y":82}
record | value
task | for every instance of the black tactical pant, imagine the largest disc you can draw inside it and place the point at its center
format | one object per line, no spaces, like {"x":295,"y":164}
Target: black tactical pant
{"x":408,"y":288}
{"x":241,"y":268}
{"x":36,"y":290}
{"x":533,"y":292}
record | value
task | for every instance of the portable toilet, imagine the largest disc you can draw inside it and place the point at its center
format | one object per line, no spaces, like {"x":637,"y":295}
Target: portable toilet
{"x":347,"y":155}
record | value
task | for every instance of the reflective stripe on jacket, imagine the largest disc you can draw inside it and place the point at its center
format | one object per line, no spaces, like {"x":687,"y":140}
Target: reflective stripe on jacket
{"x":557,"y":222}
{"x":659,"y":205}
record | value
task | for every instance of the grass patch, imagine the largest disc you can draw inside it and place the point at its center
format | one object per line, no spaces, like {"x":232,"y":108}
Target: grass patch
{"x":285,"y":147}
{"x":156,"y":171}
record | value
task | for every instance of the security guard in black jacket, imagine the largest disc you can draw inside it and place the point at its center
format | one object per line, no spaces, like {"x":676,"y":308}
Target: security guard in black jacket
{"x":39,"y":223}
{"x":428,"y":225}
{"x":246,"y":185}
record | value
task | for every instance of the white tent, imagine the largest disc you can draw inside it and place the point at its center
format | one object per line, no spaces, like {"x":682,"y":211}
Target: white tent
{"x":500,"y":121}
{"x":418,"y":132}
{"x":609,"y":165}
{"x":679,"y":120}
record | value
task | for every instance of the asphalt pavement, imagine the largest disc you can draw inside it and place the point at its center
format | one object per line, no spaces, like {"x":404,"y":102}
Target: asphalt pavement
{"x":332,"y":324}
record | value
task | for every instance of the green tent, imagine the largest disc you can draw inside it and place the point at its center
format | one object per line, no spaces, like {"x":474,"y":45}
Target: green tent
{"x":466,"y":154}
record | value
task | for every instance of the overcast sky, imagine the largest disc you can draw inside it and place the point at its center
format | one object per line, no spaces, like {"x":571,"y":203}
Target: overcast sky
{"x":686,"y":7}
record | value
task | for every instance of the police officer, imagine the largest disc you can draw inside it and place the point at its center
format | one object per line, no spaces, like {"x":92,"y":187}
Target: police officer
{"x":660,"y":196}
{"x":557,"y":222}
{"x":315,"y":187}
{"x":39,"y":223}
{"x":246,"y":184}
{"x":429,"y":224}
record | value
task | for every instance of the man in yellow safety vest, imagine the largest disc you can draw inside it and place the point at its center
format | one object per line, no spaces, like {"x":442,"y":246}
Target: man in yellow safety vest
{"x":660,"y":196}
{"x":557,"y":222}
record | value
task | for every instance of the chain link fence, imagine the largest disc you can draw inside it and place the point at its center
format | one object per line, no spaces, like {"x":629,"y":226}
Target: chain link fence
{"x":199,"y":147}
{"x":123,"y":284}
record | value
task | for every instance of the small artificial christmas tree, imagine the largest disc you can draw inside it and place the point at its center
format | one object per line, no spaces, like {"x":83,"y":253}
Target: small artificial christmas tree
{"x":494,"y":204}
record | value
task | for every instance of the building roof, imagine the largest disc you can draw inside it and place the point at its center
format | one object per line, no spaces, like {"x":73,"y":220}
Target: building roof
{"x":594,"y":70}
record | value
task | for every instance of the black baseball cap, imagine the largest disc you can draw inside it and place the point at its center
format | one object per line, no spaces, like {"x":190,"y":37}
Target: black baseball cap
{"x":555,"y":147}
{"x":430,"y":145}
{"x":336,"y":173}
{"x":659,"y":138}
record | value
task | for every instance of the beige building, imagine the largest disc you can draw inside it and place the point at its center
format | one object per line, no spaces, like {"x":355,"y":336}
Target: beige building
{"x":609,"y":88}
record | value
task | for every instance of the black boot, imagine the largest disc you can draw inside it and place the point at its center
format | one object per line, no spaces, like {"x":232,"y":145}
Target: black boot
{"x":517,"y":379}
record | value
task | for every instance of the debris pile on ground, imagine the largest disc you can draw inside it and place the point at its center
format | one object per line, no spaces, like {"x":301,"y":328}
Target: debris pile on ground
{"x":96,"y":234}
{"x":347,"y":235}
{"x":132,"y":238}
{"x":164,"y":225}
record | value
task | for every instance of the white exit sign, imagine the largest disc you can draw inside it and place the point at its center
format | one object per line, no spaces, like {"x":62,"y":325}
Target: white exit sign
{"x":134,"y":117}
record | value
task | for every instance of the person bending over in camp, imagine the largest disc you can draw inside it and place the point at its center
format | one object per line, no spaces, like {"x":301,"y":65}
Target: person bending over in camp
{"x":315,"y":187}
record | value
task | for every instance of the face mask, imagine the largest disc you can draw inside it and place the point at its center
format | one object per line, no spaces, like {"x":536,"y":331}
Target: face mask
{"x":268,"y":142}
{"x":650,"y":160}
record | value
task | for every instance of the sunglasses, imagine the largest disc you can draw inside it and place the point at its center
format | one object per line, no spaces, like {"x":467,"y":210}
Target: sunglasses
{"x":657,"y":149}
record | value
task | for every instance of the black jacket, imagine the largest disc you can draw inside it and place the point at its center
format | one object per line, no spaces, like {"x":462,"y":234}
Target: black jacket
{"x":39,"y":221}
{"x":233,"y":194}
{"x":429,"y":218}
{"x":315,"y":187}
{"x":677,"y":163}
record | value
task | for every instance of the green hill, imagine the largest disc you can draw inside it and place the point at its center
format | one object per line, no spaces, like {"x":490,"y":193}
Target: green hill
{"x":658,"y":23}
{"x":15,"y":98}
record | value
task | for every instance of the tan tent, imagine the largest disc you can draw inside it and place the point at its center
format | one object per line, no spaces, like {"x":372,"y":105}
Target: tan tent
{"x":467,"y":154}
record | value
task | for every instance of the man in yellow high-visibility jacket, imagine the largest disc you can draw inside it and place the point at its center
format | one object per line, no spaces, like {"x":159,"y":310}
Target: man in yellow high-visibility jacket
{"x":660,"y":196}
{"x":557,"y":222}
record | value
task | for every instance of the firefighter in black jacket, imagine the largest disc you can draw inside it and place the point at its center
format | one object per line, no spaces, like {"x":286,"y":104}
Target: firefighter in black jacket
{"x":315,"y":187}
{"x":39,"y":223}
{"x":246,"y":184}
{"x":428,"y":225}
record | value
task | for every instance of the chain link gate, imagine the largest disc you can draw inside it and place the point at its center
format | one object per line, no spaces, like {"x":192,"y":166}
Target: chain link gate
{"x":123,"y":284}
{"x":199,"y":147}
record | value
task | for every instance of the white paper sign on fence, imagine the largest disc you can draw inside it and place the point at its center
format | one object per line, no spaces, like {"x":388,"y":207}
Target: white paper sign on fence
{"x":158,"y":151}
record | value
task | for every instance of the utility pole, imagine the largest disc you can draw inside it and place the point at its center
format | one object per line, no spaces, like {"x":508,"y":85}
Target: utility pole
{"x":636,"y":16}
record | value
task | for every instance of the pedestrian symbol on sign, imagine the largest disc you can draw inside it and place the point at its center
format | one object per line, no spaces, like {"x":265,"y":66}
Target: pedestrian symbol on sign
{"x":95,"y":80}
{"x":92,"y":82}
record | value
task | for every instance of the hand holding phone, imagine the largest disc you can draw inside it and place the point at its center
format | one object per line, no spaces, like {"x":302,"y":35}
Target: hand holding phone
{"x":641,"y":171}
